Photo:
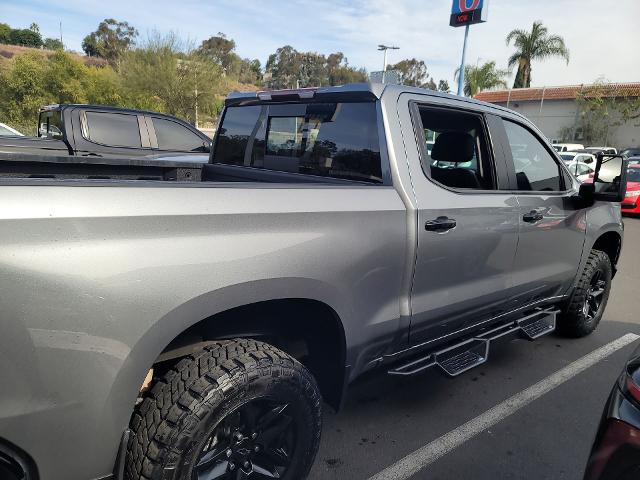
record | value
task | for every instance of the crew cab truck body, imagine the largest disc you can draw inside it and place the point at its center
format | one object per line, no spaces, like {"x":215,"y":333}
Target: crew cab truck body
{"x":105,"y":131}
{"x":149,"y":328}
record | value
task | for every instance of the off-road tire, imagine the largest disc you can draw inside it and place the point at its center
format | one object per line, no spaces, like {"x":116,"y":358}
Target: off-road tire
{"x":178,"y":413}
{"x":572,"y":321}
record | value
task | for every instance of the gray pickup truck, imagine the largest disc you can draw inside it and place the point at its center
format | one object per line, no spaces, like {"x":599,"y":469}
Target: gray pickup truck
{"x":183,"y":329}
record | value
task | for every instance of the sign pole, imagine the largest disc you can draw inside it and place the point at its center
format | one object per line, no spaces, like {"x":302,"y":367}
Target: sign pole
{"x":464,"y":52}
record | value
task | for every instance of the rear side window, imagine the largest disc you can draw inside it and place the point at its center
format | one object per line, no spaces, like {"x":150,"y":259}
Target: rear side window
{"x":173,"y":136}
{"x":456,"y":149}
{"x":113,"y":129}
{"x":536,"y":170}
{"x":338,"y":140}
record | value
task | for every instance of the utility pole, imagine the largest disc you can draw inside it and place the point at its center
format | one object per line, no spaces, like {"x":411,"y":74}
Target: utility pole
{"x":61,"y":35}
{"x":384,"y":48}
{"x":464,"y":53}
{"x":463,"y":14}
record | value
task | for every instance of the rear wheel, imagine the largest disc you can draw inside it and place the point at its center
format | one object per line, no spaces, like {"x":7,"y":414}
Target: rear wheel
{"x":237,"y":410}
{"x":589,"y":299}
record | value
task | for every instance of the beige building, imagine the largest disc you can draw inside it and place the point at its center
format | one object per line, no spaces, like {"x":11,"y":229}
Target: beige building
{"x":561,"y":117}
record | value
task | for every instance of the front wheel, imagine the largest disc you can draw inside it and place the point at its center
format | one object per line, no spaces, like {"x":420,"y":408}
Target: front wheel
{"x":586,"y":307}
{"x":240,"y":409}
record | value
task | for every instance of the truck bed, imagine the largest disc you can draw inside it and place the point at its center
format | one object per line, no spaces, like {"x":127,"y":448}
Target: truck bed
{"x":64,"y":167}
{"x":20,"y":165}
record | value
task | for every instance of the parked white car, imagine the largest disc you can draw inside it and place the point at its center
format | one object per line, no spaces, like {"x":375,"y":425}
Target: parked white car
{"x":567,"y":147}
{"x":7,"y":131}
{"x":570,"y":157}
{"x":582,"y":171}
{"x":606,"y":150}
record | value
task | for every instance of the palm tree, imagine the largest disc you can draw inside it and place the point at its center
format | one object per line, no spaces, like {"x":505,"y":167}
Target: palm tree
{"x":482,"y":77}
{"x":534,"y":45}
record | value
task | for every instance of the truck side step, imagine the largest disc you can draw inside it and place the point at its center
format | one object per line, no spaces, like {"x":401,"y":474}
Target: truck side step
{"x":463,"y":357}
{"x":538,"y":325}
{"x":470,"y":353}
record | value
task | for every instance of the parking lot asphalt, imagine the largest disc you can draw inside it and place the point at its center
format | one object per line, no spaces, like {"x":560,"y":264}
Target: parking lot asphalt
{"x":386,"y":419}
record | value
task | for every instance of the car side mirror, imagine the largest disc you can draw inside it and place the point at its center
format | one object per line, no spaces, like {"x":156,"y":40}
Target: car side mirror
{"x":609,"y":179}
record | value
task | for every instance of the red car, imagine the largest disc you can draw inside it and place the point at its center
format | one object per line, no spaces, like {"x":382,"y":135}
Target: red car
{"x":631,"y":203}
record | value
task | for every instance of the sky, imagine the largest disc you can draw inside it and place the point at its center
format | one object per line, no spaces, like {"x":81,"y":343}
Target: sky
{"x":602,"y":35}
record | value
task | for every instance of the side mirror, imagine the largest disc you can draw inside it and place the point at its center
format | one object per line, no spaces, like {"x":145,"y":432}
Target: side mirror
{"x":610,"y":178}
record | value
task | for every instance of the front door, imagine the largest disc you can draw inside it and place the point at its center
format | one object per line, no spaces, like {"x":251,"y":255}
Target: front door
{"x":551,"y":223}
{"x":467,"y":228}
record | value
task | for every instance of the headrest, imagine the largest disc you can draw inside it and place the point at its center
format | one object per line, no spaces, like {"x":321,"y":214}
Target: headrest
{"x":453,"y":147}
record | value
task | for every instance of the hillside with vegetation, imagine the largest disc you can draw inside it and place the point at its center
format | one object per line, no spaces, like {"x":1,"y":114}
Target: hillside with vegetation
{"x":162,"y":72}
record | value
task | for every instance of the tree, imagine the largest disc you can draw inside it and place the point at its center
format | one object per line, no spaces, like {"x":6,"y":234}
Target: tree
{"x":443,"y":86}
{"x":537,"y":44}
{"x":110,"y":40}
{"x":478,"y":78}
{"x":161,"y":76}
{"x":32,"y":80}
{"x":5,"y":33}
{"x":288,"y":68}
{"x":34,"y":28}
{"x":414,"y":72}
{"x":53,"y":44}
{"x":25,"y":38}
{"x":602,"y":108}
{"x":90,"y":45}
{"x":221,"y":51}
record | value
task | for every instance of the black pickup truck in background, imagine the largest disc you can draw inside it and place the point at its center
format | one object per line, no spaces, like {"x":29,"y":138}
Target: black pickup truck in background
{"x":103,"y":131}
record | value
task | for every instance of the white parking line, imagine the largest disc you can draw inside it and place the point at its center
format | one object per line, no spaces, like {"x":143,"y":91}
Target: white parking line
{"x":415,"y":461}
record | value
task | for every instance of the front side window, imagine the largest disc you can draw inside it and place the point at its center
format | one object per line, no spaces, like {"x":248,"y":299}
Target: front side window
{"x":113,"y":129}
{"x":173,"y":136}
{"x":536,"y":170}
{"x":338,"y":140}
{"x":456,"y":149}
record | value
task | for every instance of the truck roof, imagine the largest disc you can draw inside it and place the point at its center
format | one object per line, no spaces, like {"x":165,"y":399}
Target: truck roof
{"x":63,"y":106}
{"x":350,"y":91}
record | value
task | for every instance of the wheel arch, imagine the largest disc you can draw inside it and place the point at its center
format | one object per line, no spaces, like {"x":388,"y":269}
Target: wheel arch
{"x":328,"y":307}
{"x":609,"y":242}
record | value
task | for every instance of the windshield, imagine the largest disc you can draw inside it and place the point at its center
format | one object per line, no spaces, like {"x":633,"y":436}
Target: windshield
{"x":567,"y":156}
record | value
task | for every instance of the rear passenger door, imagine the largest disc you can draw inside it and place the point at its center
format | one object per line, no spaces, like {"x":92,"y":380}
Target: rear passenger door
{"x":467,"y":227}
{"x":551,"y":223}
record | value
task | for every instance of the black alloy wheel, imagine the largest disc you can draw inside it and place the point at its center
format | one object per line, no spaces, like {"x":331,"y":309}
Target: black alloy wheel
{"x":594,"y":295}
{"x":256,"y":441}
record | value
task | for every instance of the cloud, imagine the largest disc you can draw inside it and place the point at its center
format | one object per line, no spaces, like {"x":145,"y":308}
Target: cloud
{"x":602,"y":41}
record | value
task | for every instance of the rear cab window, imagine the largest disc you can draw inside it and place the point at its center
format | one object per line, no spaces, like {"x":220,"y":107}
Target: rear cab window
{"x":336,"y":140}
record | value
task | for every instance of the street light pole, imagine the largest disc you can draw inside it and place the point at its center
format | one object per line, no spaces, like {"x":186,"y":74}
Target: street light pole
{"x":384,"y":48}
{"x":464,"y":52}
